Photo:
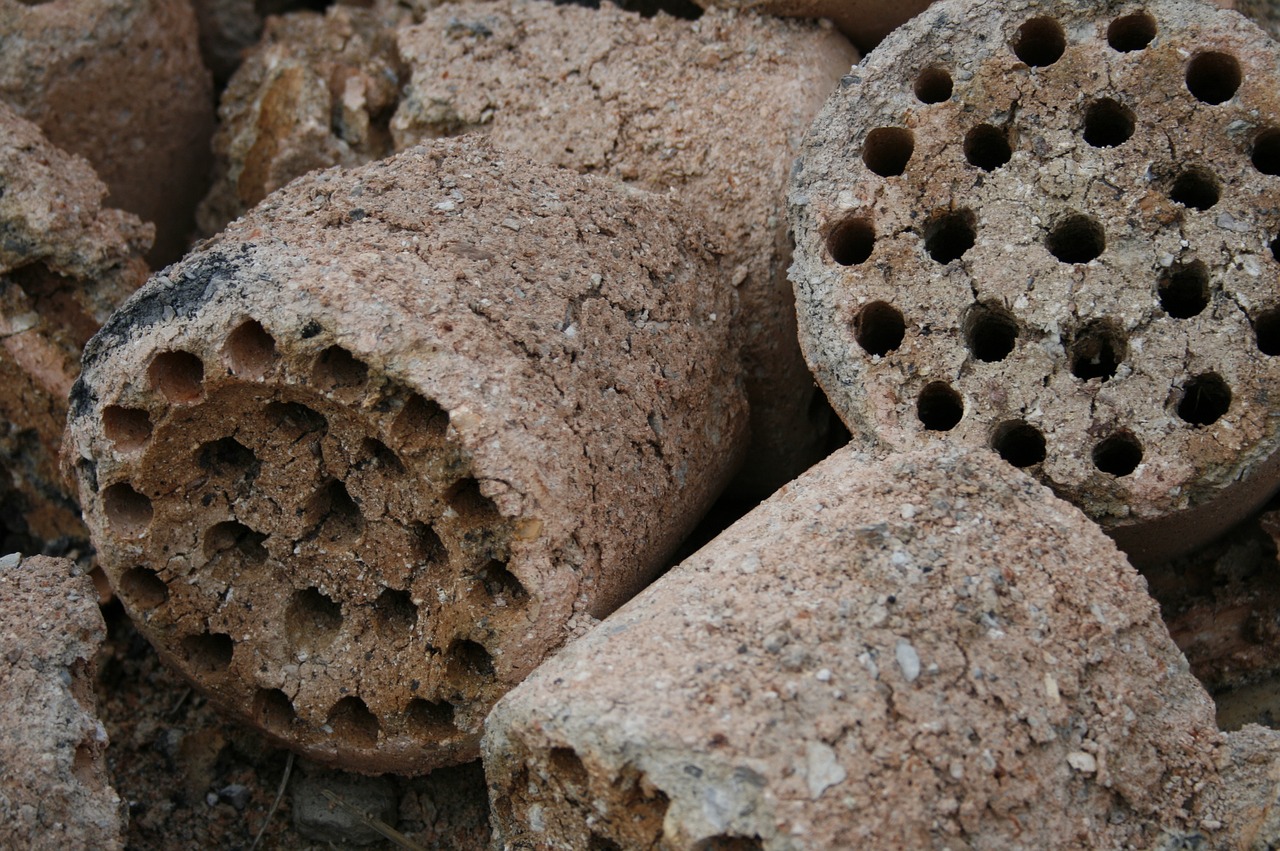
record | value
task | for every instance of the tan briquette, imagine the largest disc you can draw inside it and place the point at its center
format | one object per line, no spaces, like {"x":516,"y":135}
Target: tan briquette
{"x":119,"y":82}
{"x":1050,"y":228}
{"x":711,"y":111}
{"x":55,"y":791}
{"x":65,"y":263}
{"x":400,"y":432}
{"x":931,"y":651}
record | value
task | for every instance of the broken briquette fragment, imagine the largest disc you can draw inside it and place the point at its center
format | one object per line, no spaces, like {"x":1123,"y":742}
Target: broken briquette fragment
{"x":65,"y":263}
{"x":1051,"y":229}
{"x":928,"y":651}
{"x":55,"y":789}
{"x":358,"y":465}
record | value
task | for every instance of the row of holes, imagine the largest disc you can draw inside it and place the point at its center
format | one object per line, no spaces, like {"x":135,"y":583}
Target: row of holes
{"x":312,"y":619}
{"x":1108,"y":124}
{"x":1041,"y":42}
{"x":351,"y":720}
{"x":1096,"y":351}
{"x":249,"y":352}
{"x":1212,"y":77}
{"x":1075,"y":238}
{"x":130,"y":512}
{"x":211,"y":653}
{"x":939,"y":407}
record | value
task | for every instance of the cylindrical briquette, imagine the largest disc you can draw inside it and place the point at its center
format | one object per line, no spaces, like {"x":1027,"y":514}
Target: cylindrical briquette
{"x":930,"y":651}
{"x":711,"y":111}
{"x":358,"y":465}
{"x":1051,"y":228}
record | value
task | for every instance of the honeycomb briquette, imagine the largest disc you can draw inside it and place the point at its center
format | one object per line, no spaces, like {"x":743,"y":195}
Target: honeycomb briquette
{"x":1051,"y":229}
{"x":358,"y":465}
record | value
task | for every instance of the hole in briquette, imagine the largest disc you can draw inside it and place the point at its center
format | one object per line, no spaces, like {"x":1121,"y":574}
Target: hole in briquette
{"x":1195,"y":188}
{"x":990,"y":332}
{"x":879,"y":328}
{"x":887,"y":150}
{"x":1213,"y":77}
{"x":933,"y":85}
{"x":1108,"y":123}
{"x":948,"y":236}
{"x":1097,"y":351}
{"x":939,"y":407}
{"x":1120,"y":454}
{"x":128,"y":428}
{"x":178,"y":376}
{"x":144,"y":588}
{"x":1040,"y":42}
{"x":1205,"y":399}
{"x":1184,"y":291}
{"x":1076,"y":239}
{"x":987,"y":147}
{"x":1131,"y":32}
{"x":249,"y":350}
{"x":1019,"y":443}
{"x":851,"y":241}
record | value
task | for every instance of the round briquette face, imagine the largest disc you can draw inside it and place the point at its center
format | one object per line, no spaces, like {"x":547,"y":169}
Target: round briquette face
{"x":1051,"y":229}
{"x":314,"y":547}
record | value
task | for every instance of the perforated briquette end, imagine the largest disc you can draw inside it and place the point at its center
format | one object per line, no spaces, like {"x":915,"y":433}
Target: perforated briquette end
{"x":310,"y":545}
{"x":1073,"y":269}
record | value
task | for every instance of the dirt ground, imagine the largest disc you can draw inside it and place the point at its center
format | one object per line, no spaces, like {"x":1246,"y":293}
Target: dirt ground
{"x":195,"y":781}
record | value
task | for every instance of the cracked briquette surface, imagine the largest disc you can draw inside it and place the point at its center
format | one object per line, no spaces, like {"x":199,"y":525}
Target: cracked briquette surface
{"x":358,"y":465}
{"x":1051,"y":228}
{"x":709,"y":110}
{"x":930,"y":651}
{"x":65,"y":263}
{"x":54,"y":791}
{"x":119,"y":82}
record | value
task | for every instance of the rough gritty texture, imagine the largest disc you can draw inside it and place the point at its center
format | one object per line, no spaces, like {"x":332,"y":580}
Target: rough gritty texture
{"x":1144,"y":375}
{"x":722,"y":106}
{"x":119,"y":82}
{"x":717,"y":120}
{"x":54,"y":790}
{"x":1250,"y":791}
{"x":931,"y":651}
{"x":65,"y":263}
{"x":317,"y":91}
{"x":356,"y":467}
